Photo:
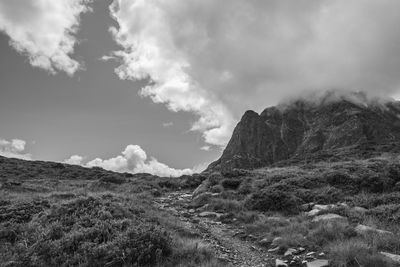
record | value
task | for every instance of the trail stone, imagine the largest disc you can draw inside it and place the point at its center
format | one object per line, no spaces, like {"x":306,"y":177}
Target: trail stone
{"x":280,"y":263}
{"x":290,"y":252}
{"x":318,"y":263}
{"x":209,"y":214}
{"x":275,"y":241}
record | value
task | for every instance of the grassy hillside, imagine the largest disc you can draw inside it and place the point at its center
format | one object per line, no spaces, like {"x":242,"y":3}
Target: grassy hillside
{"x":283,"y":203}
{"x":52,"y":214}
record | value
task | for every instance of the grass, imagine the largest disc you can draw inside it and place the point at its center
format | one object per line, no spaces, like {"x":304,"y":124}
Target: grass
{"x":53,"y":214}
{"x":267,"y":203}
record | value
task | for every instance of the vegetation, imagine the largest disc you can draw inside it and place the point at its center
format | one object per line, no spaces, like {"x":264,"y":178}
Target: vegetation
{"x":53,"y":214}
{"x":271,"y":202}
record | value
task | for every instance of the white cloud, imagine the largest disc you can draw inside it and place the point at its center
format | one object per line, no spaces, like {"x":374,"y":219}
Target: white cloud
{"x":14,"y":149}
{"x":74,"y":160}
{"x":219,"y":58}
{"x":44,"y":30}
{"x":167,"y":124}
{"x":205,"y":148}
{"x":133,"y":159}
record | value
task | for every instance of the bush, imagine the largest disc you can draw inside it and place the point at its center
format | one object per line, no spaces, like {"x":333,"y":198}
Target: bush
{"x":325,"y":233}
{"x":355,"y":252}
{"x":274,"y":200}
{"x":114,"y":179}
{"x":232,"y":184}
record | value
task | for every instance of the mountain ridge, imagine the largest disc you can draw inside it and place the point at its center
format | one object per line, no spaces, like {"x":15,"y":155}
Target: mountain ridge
{"x":302,"y":130}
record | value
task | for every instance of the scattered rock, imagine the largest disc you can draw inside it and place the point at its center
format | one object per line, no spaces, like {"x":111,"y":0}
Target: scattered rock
{"x":313,"y":212}
{"x":201,"y":200}
{"x":301,"y":249}
{"x":307,"y":206}
{"x":209,"y":214}
{"x":264,"y":242}
{"x":276,"y":241}
{"x":202,"y":188}
{"x":393,"y":257}
{"x":318,"y":263}
{"x":329,"y":217}
{"x":290,"y":252}
{"x":359,"y":210}
{"x":364,"y":229}
{"x":273,"y":250}
{"x":280,"y":263}
{"x":324,"y":207}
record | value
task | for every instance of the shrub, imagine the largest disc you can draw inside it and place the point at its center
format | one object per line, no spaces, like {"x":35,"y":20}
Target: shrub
{"x":114,"y":179}
{"x":325,"y":233}
{"x":226,"y":205}
{"x":217,"y":188}
{"x":355,"y":252}
{"x":274,"y":200}
{"x":230,"y":183}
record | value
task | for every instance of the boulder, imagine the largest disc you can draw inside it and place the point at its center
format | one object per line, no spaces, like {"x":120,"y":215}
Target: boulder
{"x":329,"y":217}
{"x":324,"y":207}
{"x":202,"y":188}
{"x":313,"y":212}
{"x":395,"y":258}
{"x":364,"y":230}
{"x":359,"y":210}
{"x":200,"y":200}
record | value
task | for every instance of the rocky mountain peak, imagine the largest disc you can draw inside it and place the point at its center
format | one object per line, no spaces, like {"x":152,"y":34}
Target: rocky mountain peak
{"x":332,"y":126}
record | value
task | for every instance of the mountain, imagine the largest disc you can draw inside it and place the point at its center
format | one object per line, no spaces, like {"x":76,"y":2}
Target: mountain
{"x":331,"y":127}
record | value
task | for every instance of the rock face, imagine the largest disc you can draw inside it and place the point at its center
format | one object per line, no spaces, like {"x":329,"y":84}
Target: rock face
{"x":303,"y":130}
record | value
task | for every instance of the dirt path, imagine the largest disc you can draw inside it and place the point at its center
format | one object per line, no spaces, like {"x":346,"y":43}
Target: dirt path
{"x":219,"y":236}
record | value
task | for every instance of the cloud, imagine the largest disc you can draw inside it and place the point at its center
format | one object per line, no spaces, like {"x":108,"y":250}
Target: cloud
{"x":74,"y":160}
{"x":218,"y":58}
{"x":133,"y":159}
{"x":14,"y":149}
{"x":205,"y":148}
{"x":44,"y":31}
{"x":167,"y":124}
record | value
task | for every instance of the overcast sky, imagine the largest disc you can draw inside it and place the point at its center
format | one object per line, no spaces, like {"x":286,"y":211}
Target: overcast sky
{"x":158,"y":85}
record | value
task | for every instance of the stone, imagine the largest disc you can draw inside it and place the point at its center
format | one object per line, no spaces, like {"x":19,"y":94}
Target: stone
{"x":280,"y":263}
{"x":324,"y":207}
{"x":209,"y":214}
{"x":364,"y":230}
{"x":329,"y":217}
{"x":265,"y":242}
{"x":318,"y":263}
{"x":307,"y":206}
{"x":273,"y":250}
{"x":359,"y":210}
{"x":276,"y":241}
{"x":290,"y":252}
{"x":394,"y":257}
{"x":202,"y":188}
{"x":313,"y":212}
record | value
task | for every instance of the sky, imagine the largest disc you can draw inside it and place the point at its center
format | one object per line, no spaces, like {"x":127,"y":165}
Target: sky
{"x":158,"y":85}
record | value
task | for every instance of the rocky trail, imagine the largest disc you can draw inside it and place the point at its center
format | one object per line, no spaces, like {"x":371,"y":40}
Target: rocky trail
{"x":223,"y":238}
